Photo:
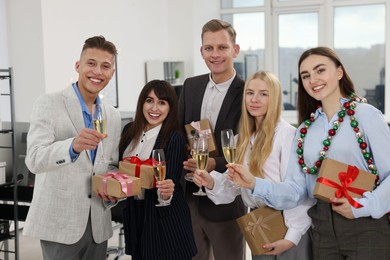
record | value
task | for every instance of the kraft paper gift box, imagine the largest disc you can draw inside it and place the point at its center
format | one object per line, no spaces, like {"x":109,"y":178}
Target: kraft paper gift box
{"x":204,"y":129}
{"x":116,"y":184}
{"x":262,"y":226}
{"x":337,"y":179}
{"x":142,"y":169}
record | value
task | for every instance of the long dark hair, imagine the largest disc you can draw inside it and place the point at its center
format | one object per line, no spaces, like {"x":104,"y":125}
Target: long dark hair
{"x":163,"y":91}
{"x":307,"y":104}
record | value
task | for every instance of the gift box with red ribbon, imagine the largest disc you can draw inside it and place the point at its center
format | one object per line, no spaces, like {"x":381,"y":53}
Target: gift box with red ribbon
{"x":337,"y":179}
{"x":262,"y":226}
{"x":142,"y":169}
{"x":116,"y":184}
{"x":203,"y":128}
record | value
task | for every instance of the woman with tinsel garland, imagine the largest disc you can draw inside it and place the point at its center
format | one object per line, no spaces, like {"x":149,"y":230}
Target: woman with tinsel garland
{"x":336,"y":124}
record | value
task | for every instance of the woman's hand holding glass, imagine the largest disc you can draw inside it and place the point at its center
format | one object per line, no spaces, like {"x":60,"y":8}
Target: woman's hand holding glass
{"x":202,"y":177}
{"x":166,"y":188}
{"x":159,"y":167}
{"x":241,"y":176}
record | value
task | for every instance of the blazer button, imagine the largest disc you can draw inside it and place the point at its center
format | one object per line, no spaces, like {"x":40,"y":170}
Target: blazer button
{"x":89,"y":196}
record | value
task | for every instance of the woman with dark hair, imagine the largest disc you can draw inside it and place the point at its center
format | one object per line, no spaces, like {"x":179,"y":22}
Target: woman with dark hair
{"x":157,"y":232}
{"x":336,"y":124}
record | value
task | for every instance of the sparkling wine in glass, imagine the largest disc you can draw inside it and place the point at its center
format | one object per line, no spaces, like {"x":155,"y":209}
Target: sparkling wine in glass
{"x":189,"y":176}
{"x":100,"y":125}
{"x":229,"y":148}
{"x":202,"y":155}
{"x":228,"y":145}
{"x":159,"y":167}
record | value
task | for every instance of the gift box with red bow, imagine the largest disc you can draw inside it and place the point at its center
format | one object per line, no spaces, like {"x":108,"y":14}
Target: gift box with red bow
{"x":262,"y":226}
{"x":142,"y":169}
{"x":203,"y":128}
{"x":116,"y":184}
{"x":337,"y":179}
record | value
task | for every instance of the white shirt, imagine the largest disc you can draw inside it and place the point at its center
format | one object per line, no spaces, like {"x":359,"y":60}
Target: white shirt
{"x":275,"y":169}
{"x":143,"y":150}
{"x":213,"y":98}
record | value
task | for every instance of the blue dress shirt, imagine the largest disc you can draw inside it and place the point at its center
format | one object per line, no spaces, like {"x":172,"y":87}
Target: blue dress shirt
{"x":87,"y":122}
{"x":344,"y":148}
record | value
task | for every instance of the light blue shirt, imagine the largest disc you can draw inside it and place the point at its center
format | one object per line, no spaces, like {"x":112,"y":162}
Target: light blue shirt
{"x":87,"y":122}
{"x":345,"y":148}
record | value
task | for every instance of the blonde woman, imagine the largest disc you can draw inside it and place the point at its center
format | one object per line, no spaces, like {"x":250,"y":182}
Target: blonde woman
{"x":263,"y":145}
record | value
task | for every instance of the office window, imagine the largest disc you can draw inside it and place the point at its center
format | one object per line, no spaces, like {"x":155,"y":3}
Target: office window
{"x":355,"y":29}
{"x":297,"y":32}
{"x":240,"y":3}
{"x":359,"y":40}
{"x":250,"y":37}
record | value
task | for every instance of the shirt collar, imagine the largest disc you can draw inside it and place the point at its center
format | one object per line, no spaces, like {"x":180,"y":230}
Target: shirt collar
{"x":224,"y":86}
{"x":84,"y":107}
{"x":151,"y":133}
{"x":319,"y":110}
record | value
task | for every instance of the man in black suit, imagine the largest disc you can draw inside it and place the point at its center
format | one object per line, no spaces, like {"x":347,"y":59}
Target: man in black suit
{"x":216,"y":96}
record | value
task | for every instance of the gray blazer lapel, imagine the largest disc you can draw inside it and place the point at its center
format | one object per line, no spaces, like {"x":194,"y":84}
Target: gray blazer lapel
{"x":73,"y":107}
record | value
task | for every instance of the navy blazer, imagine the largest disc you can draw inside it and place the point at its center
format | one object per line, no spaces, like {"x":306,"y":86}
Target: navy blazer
{"x":190,"y":104}
{"x":163,"y":233}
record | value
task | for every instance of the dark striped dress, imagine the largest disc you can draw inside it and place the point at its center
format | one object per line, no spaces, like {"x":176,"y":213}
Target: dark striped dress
{"x":161,"y":233}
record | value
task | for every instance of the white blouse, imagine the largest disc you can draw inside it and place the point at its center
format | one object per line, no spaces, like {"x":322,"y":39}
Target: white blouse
{"x":275,"y":169}
{"x":143,"y":150}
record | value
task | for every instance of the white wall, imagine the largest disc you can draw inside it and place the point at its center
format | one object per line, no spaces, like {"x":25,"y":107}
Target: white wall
{"x":45,"y":39}
{"x":4,"y":63}
{"x":3,"y":36}
{"x":25,"y":53}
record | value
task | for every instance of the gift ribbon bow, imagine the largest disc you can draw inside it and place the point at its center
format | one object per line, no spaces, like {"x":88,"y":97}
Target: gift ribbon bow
{"x":138,"y":162}
{"x":346,"y":179}
{"x":202,"y":133}
{"x":125,"y":181}
{"x":260,"y":224}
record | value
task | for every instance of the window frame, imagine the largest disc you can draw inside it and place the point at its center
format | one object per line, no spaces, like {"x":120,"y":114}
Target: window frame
{"x":325,"y":9}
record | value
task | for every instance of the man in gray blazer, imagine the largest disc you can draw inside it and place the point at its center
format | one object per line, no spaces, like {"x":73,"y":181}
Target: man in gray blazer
{"x":70,"y":220}
{"x":216,"y":96}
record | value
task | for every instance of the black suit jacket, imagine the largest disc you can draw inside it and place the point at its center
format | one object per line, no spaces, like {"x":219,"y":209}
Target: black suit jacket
{"x":163,"y":233}
{"x":190,"y":104}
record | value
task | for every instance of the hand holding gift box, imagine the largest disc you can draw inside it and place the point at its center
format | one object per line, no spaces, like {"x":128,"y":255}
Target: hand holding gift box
{"x":142,"y":169}
{"x":203,"y":128}
{"x":337,"y":179}
{"x":116,"y":185}
{"x":261,"y":226}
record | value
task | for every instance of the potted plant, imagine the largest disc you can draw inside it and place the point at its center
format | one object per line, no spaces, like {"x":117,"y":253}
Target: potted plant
{"x":177,"y":76}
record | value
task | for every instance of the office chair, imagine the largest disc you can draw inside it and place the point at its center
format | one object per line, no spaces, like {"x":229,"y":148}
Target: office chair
{"x":116,"y":215}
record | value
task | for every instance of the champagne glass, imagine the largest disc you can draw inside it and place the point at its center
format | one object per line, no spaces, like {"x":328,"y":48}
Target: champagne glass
{"x":100,"y":125}
{"x":158,"y":159}
{"x":189,"y":176}
{"x":229,"y":148}
{"x":202,"y":155}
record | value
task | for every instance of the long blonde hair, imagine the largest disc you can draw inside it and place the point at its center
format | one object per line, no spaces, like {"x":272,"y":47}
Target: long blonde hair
{"x":262,"y":146}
